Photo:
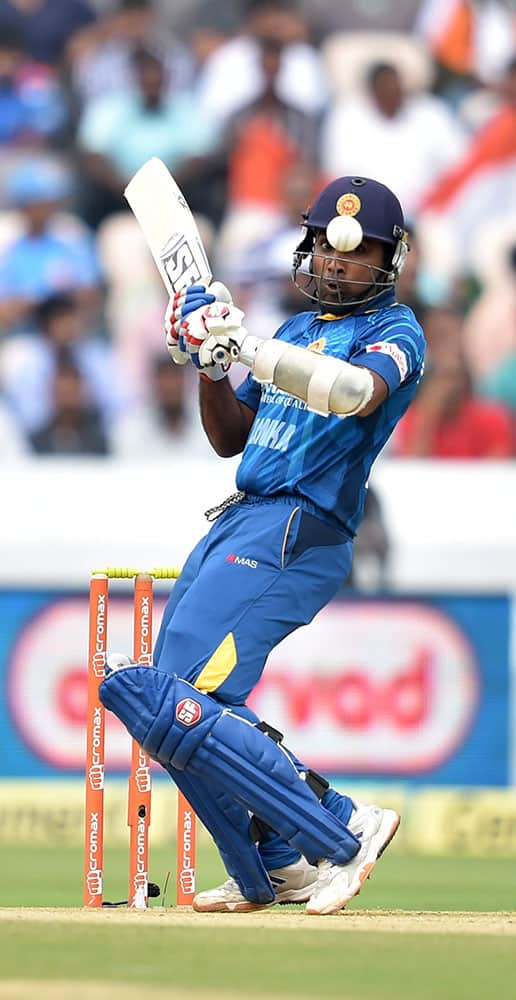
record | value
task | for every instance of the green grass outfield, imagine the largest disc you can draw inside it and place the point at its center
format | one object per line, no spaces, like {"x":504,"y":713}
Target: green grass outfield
{"x":366,"y":953}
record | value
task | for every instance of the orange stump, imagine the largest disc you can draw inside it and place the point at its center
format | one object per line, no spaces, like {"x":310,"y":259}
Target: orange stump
{"x":138,"y":817}
{"x":185,"y":868}
{"x":94,"y":839}
{"x":139,"y":800}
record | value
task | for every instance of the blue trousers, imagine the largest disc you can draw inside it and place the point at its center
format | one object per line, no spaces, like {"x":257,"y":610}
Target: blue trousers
{"x":265,"y":568}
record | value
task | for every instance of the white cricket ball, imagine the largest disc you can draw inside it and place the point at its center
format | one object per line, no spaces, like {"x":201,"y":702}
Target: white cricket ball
{"x":344,"y":233}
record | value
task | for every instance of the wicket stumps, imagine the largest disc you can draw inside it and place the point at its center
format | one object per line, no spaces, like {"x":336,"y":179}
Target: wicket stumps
{"x":139,"y":801}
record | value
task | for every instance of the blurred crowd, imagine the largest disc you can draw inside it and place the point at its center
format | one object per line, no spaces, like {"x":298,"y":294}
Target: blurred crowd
{"x":253,"y":105}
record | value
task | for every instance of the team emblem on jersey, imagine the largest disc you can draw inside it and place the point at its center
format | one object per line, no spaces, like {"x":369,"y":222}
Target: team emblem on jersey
{"x":348,"y":204}
{"x":318,"y":345}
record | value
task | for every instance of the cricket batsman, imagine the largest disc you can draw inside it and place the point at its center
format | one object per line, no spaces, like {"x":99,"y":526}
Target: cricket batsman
{"x":320,"y":401}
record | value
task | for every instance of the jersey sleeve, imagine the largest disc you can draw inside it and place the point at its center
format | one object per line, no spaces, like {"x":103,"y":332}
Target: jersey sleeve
{"x":395,"y":352}
{"x":249,"y":392}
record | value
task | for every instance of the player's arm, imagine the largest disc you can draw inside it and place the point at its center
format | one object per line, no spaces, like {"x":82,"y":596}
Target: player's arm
{"x":226,"y":420}
{"x":380,"y":393}
{"x":212,"y":333}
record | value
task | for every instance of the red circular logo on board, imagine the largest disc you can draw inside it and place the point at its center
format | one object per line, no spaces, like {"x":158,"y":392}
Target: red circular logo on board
{"x":188,"y":712}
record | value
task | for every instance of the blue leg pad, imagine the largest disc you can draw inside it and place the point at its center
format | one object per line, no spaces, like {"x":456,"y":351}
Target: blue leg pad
{"x":186,"y":729}
{"x":228,"y":822}
{"x":264,"y":779}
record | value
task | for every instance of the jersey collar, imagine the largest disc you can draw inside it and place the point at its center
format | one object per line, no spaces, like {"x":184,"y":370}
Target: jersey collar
{"x":387,"y":298}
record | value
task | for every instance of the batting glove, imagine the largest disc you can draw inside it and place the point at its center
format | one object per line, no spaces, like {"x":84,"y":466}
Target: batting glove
{"x":219,"y":318}
{"x":181,"y":305}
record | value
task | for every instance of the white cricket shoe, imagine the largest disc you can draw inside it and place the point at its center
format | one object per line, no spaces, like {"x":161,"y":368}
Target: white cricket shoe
{"x":292,"y":884}
{"x":337,"y":884}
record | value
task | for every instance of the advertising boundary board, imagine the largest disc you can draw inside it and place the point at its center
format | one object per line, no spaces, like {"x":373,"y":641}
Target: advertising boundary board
{"x":435,"y":821}
{"x":415,"y":689}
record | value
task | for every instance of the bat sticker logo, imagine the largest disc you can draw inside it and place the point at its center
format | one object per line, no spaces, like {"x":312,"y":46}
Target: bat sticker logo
{"x":179,"y":263}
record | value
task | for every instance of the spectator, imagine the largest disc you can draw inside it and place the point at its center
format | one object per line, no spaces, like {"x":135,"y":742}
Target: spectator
{"x":55,"y":253}
{"x":117,"y":133}
{"x":166,"y":426}
{"x":490,"y":338}
{"x":446,"y":420}
{"x":404,"y":140}
{"x":29,"y":363}
{"x":482,"y":185}
{"x":266,"y":142}
{"x":209,"y":29}
{"x":32,"y":109}
{"x":99,"y":56}
{"x":46,"y":25}
{"x":235,"y":75}
{"x":443,"y":326}
{"x":266,"y":139}
{"x":262,"y":276}
{"x":75,"y":427}
{"x":469,"y":40}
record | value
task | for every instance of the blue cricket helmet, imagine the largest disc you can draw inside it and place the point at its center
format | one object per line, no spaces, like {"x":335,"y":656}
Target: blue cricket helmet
{"x":374,"y":205}
{"x":380,"y":215}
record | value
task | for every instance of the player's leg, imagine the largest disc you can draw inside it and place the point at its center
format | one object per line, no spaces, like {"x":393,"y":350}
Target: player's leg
{"x":298,"y":568}
{"x":183,"y":728}
{"x":235,"y":612}
{"x":276,"y":594}
{"x":189,"y":573}
{"x":186,"y":730}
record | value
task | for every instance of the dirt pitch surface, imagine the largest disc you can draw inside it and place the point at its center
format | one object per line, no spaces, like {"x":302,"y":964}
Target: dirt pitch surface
{"x":27,"y":989}
{"x":397,"y":921}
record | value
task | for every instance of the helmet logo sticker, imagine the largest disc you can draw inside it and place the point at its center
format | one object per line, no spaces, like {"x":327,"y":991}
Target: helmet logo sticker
{"x":348,"y":204}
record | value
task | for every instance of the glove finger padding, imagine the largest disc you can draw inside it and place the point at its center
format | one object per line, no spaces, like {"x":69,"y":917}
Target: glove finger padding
{"x":194,"y":297}
{"x":175,"y":348}
{"x":179,"y":357}
{"x":213,"y":320}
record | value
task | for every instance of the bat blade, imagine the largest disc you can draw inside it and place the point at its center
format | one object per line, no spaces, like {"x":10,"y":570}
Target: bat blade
{"x":168,"y":226}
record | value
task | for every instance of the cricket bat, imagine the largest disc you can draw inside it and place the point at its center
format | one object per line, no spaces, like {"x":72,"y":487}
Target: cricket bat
{"x":168,"y":226}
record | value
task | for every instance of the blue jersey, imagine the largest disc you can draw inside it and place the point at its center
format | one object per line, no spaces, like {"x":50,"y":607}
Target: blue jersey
{"x":326,"y":460}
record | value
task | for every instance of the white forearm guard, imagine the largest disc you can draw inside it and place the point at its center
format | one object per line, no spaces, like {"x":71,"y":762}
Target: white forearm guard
{"x":327,"y":385}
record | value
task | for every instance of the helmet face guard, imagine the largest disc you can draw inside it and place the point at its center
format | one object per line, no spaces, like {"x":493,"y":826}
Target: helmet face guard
{"x":380,"y":216}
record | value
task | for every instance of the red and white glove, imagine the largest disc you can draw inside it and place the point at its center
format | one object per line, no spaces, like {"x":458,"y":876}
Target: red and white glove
{"x":212,"y":335}
{"x":184,"y":304}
